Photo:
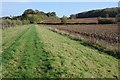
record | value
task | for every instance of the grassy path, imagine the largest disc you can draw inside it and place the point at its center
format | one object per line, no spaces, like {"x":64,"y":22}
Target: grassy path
{"x":36,"y":52}
{"x":9,"y":35}
{"x":23,"y":57}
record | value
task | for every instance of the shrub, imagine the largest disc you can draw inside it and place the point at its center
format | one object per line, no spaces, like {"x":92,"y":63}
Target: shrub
{"x":11,"y":23}
{"x":106,"y":20}
{"x":6,"y":23}
{"x":18,"y":22}
{"x":64,"y":20}
{"x":25,"y":22}
{"x":118,"y":18}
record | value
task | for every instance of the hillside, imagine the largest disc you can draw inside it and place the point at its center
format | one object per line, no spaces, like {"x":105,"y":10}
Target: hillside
{"x":107,"y":12}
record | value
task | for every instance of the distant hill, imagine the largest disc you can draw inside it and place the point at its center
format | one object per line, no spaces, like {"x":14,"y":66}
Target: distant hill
{"x":107,"y":12}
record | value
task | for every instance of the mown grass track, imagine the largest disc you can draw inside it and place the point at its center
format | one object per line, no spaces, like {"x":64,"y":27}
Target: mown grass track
{"x":10,"y":35}
{"x":24,"y":58}
{"x":37,"y":52}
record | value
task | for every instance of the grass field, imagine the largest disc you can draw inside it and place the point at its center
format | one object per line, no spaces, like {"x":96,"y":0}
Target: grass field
{"x":33,"y":51}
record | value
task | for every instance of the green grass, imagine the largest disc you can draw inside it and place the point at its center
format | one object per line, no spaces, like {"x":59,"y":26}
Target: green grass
{"x":36,"y":52}
{"x":0,"y":53}
{"x":9,"y":35}
{"x":24,"y":57}
{"x":78,"y":60}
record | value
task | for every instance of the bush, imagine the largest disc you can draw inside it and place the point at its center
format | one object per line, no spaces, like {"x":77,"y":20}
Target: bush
{"x":6,"y":23}
{"x":18,"y":22}
{"x":11,"y":23}
{"x":25,"y":22}
{"x":106,"y":21}
{"x":118,"y":18}
{"x":64,"y":20}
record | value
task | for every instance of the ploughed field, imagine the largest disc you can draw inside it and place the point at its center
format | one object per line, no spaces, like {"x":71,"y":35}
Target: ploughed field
{"x":72,"y":21}
{"x":33,"y":51}
{"x":108,"y":32}
{"x":81,"y":20}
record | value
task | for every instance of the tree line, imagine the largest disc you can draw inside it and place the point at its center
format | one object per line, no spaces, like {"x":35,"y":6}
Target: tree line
{"x":34,"y":16}
{"x":6,"y":23}
{"x":108,"y":12}
{"x":29,"y":16}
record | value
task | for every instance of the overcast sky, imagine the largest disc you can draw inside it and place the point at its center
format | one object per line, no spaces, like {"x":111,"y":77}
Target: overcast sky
{"x":61,"y":8}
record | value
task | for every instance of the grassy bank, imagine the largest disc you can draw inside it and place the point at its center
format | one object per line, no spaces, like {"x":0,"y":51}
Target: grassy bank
{"x":76,"y":59}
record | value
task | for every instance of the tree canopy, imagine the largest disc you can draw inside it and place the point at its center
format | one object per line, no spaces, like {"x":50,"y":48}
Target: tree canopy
{"x":111,"y":12}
